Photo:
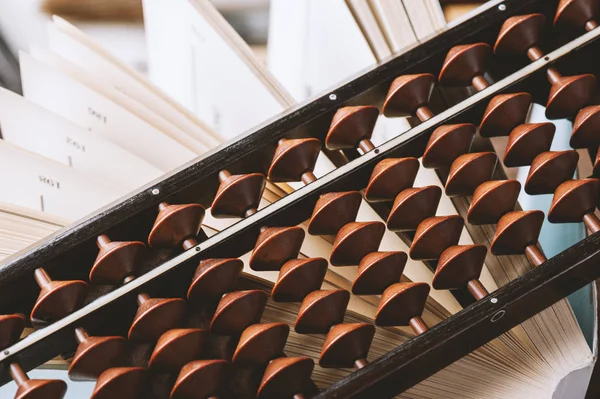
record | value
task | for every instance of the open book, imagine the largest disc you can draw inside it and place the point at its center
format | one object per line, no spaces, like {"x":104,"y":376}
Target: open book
{"x":108,"y":114}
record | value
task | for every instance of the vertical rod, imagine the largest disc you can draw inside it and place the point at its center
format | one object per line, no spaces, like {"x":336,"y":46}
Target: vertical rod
{"x":535,"y":255}
{"x":553,"y":75}
{"x":42,"y":278}
{"x":102,"y":241}
{"x":418,"y":325}
{"x":17,"y":374}
{"x":189,"y":243}
{"x":535,"y":53}
{"x":360,"y":363}
{"x":308,"y":177}
{"x":128,"y":279}
{"x":591,"y":25}
{"x":81,"y":335}
{"x":366,"y":145}
{"x":223,"y":175}
{"x":591,"y":222}
{"x":479,"y":83}
{"x":477,"y":289}
{"x":424,"y":113}
{"x":143,"y":297}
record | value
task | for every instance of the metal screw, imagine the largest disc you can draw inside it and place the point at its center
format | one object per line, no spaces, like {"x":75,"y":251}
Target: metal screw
{"x":197,"y":249}
{"x":502,"y":7}
{"x":494,"y":300}
{"x":155,"y":191}
{"x":332,"y":97}
{"x":6,"y":352}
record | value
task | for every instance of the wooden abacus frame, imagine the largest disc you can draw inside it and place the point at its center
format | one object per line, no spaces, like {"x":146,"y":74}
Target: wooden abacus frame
{"x":131,"y":218}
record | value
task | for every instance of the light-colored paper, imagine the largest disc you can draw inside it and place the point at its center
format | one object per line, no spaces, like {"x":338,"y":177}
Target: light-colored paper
{"x":86,"y":107}
{"x":39,"y":130}
{"x":72,"y":44}
{"x":39,"y":183}
{"x":192,"y":61}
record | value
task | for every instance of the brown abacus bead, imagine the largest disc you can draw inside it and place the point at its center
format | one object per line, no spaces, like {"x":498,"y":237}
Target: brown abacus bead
{"x":260,"y":343}
{"x":568,"y":94}
{"x":390,"y":177}
{"x":578,"y":13}
{"x":503,"y":113}
{"x":116,"y":260}
{"x":177,"y":347}
{"x":320,"y":310}
{"x":586,"y":128}
{"x":526,"y":142}
{"x":517,"y":233}
{"x":119,"y":382}
{"x":347,"y":345}
{"x":36,"y":389}
{"x":550,"y":169}
{"x":332,"y":211}
{"x":354,"y":241}
{"x":94,"y":355}
{"x":11,"y":328}
{"x":155,"y":316}
{"x":575,"y":201}
{"x":200,"y":379}
{"x":176,"y":225}
{"x":491,"y":200}
{"x":297,"y":278}
{"x":377,"y":271}
{"x":447,"y":143}
{"x":238,"y":195}
{"x":519,"y":34}
{"x":275,"y":246}
{"x":409,"y":95}
{"x":402,"y":304}
{"x":214,"y":277}
{"x":238,"y":310}
{"x":352,"y":127}
{"x":286,"y":377}
{"x":465,"y":65}
{"x":57,"y":299}
{"x":468,"y":171}
{"x":434,"y":235}
{"x":461,"y":265}
{"x":295,"y":160}
{"x":412,"y":206}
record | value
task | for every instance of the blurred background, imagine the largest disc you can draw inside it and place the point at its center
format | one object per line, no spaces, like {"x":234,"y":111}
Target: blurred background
{"x":118,"y":26}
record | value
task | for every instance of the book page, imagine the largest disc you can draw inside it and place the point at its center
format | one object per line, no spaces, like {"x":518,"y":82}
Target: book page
{"x":394,"y":23}
{"x":369,"y":26}
{"x":87,"y":108}
{"x":72,"y":44}
{"x":38,"y":130}
{"x":337,"y":49}
{"x":287,"y":45}
{"x":201,"y":70}
{"x":21,"y":227}
{"x":419,"y":17}
{"x":42,"y":184}
{"x":133,"y":107}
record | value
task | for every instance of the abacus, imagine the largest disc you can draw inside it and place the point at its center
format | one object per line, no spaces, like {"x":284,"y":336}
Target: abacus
{"x":139,"y":288}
